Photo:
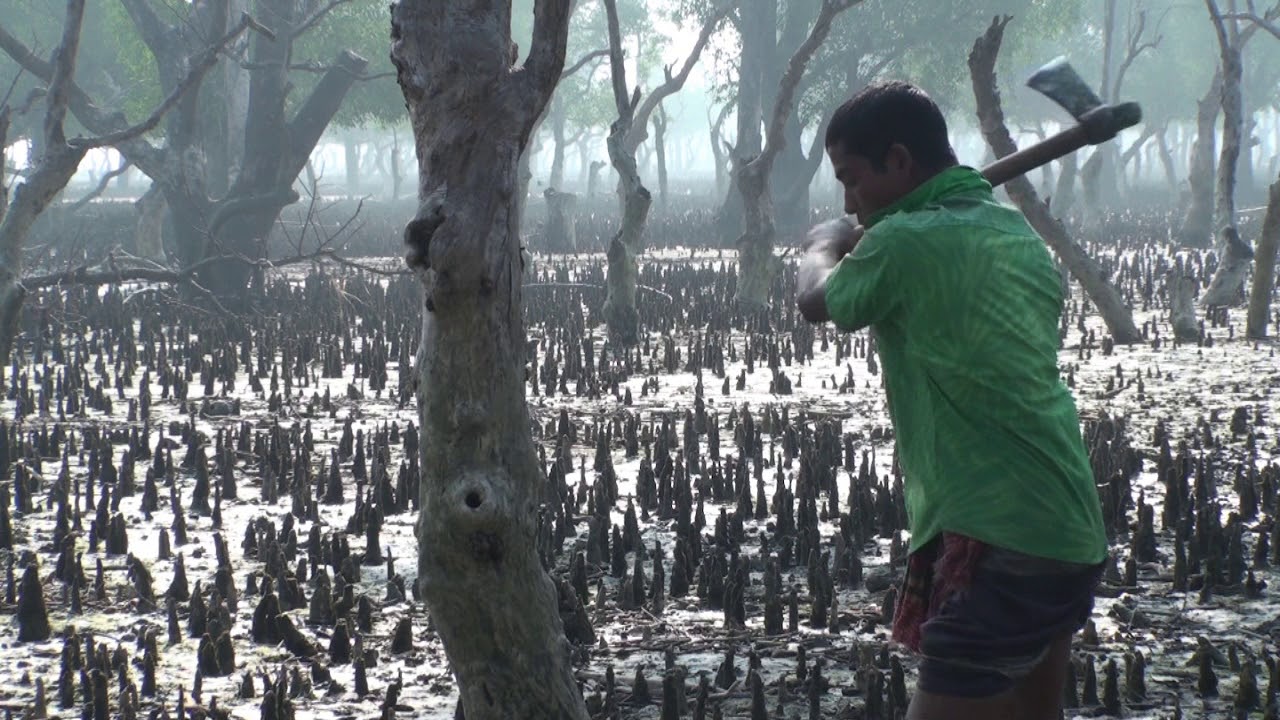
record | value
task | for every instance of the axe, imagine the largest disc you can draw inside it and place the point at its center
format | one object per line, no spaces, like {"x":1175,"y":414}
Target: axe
{"x":1095,"y":122}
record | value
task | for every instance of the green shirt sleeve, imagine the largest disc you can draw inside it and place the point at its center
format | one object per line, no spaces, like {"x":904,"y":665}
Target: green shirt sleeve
{"x":865,"y":287}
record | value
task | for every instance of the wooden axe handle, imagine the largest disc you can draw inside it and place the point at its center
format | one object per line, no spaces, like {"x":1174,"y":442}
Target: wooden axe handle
{"x":1042,"y":153}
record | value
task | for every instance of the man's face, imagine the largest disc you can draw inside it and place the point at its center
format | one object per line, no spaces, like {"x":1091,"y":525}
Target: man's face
{"x":867,"y":190}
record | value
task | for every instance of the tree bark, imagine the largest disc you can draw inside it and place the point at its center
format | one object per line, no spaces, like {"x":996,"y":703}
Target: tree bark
{"x":758,"y":40}
{"x":756,"y":262}
{"x":620,"y":314}
{"x":1197,"y":225}
{"x":51,"y":171}
{"x":556,"y":180}
{"x":982,"y":59}
{"x":1166,"y":159}
{"x":478,"y":568}
{"x":1226,"y":289}
{"x":1064,"y":194}
{"x":660,"y":151}
{"x":1182,"y":308}
{"x":561,"y":226}
{"x":148,"y":238}
{"x":718,"y":155}
{"x":351,"y":162}
{"x":1230,"y":46}
{"x":1264,"y":268}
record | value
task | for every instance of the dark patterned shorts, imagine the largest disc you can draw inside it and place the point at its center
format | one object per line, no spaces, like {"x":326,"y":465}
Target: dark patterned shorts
{"x":985,"y":638}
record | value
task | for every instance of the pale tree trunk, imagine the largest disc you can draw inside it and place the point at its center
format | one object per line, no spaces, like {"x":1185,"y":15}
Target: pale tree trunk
{"x":1182,"y":308}
{"x":1230,"y":45}
{"x":1197,"y":225}
{"x":1227,"y":286}
{"x":559,"y":142}
{"x":593,"y":176}
{"x":718,"y":154}
{"x":982,"y":59}
{"x":584,"y":161}
{"x":1064,"y":194}
{"x":1264,"y":269}
{"x":625,"y":136}
{"x":756,"y":262}
{"x":1166,"y":159}
{"x":620,"y":314}
{"x":660,"y":151}
{"x":561,"y":226}
{"x":148,"y":238}
{"x":479,"y":574}
{"x":758,"y":40}
{"x":11,"y":291}
{"x":1226,"y":289}
{"x":351,"y":161}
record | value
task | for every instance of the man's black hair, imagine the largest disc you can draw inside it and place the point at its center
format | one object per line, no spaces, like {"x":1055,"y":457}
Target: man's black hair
{"x":885,"y":113}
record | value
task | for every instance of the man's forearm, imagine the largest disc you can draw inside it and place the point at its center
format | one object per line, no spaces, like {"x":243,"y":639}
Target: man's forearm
{"x":825,"y":247}
{"x":811,"y":283}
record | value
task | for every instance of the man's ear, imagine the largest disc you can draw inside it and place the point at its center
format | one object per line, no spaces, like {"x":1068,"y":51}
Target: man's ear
{"x":899,"y":158}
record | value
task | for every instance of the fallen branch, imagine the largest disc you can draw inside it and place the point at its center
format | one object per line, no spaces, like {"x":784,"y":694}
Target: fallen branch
{"x":597,"y":287}
{"x":89,"y":275}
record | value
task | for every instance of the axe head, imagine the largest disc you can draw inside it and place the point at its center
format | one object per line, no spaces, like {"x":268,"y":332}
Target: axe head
{"x":1062,"y":84}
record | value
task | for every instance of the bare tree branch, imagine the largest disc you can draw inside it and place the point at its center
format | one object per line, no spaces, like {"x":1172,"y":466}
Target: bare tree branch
{"x":199,"y":66}
{"x":64,"y":67}
{"x":101,"y":187}
{"x":617,"y":70}
{"x":782,"y":105}
{"x":673,"y":84}
{"x":108,"y":272}
{"x":546,"y":52}
{"x":582,"y":61}
{"x":1135,"y":46}
{"x":145,"y":156}
{"x":1266,"y":21}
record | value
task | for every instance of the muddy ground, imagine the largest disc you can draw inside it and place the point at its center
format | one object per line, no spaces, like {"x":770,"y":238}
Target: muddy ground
{"x":1193,"y":389}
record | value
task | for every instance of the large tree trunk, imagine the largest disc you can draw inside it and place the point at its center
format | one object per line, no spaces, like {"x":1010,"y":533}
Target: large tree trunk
{"x":1264,"y":268}
{"x":1197,"y":225}
{"x":561,"y":226}
{"x":478,"y":568}
{"x":558,"y":147}
{"x":756,"y":262}
{"x":718,"y":155}
{"x":1226,"y":289}
{"x":148,"y":238}
{"x":1064,"y":194}
{"x":1232,"y":119}
{"x":660,"y":150}
{"x":620,"y":314}
{"x":1182,"y":308}
{"x":757,"y":47}
{"x":351,"y":162}
{"x":1166,"y":159}
{"x":48,"y":175}
{"x":11,"y":293}
{"x":982,"y":59}
{"x":276,"y":148}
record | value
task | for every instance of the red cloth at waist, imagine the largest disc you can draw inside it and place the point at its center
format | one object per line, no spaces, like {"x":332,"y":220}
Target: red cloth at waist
{"x":943,"y":566}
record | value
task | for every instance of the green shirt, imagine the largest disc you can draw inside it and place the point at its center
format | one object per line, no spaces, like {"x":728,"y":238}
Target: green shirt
{"x":965,"y":301}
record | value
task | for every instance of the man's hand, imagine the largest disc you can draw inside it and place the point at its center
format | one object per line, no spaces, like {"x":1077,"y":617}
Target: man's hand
{"x":824,"y":247}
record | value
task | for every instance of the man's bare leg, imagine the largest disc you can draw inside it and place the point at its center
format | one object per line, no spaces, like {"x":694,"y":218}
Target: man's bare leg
{"x":1037,"y":697}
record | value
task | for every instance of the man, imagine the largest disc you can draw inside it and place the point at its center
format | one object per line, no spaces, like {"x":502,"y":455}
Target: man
{"x":1007,"y":540}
